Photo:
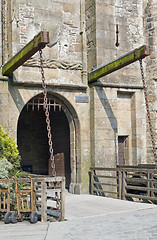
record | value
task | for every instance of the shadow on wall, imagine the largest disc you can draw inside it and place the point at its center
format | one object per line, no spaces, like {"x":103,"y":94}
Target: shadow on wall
{"x":16,"y":96}
{"x":113,"y":120}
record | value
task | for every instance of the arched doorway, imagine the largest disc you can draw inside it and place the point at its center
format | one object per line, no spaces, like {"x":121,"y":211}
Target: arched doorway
{"x":33,"y":141}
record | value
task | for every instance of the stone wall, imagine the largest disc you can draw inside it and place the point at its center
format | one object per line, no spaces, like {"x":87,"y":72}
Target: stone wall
{"x":150,"y":27}
{"x":84,"y":34}
{"x":64,"y":67}
{"x":119,"y":29}
{"x":63,"y":21}
{"x":90,"y":13}
{"x":127,"y":16}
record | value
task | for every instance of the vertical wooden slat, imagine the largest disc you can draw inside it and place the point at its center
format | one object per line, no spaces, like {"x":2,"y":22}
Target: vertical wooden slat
{"x":43,"y":201}
{"x":22,"y":203}
{"x":8,"y":196}
{"x":152,"y":184}
{"x":31,"y":195}
{"x":35,"y":197}
{"x":148,"y":185}
{"x":124,"y":185}
{"x":92,"y":180}
{"x":120,"y":184}
{"x":4,"y":200}
{"x":17,"y":198}
{"x":63,"y":199}
{"x":0,"y":201}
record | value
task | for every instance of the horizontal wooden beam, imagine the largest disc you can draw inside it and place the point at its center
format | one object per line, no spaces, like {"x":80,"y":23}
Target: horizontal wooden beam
{"x":39,"y":41}
{"x":119,"y":63}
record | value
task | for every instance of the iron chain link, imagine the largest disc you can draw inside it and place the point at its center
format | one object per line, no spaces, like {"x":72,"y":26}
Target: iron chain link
{"x":148,"y":112}
{"x":47,"y":116}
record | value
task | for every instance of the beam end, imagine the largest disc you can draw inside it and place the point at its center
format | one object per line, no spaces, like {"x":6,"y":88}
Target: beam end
{"x":39,"y":41}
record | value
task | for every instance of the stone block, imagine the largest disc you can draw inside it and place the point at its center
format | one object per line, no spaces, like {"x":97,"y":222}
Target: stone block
{"x":70,"y":7}
{"x":105,"y":9}
{"x":4,"y":87}
{"x":3,"y":100}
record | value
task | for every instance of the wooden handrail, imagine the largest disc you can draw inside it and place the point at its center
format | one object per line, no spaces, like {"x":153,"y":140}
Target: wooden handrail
{"x":131,"y":182}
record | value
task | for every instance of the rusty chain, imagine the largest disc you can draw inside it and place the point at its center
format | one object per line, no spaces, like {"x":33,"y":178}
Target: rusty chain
{"x":58,"y":205}
{"x":47,"y":116}
{"x":148,"y":112}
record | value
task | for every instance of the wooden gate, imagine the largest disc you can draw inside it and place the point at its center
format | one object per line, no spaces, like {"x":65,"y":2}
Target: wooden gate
{"x":59,"y":165}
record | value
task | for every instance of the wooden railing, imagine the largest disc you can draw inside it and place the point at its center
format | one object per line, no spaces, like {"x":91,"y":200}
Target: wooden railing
{"x":134,"y":183}
{"x":48,"y":196}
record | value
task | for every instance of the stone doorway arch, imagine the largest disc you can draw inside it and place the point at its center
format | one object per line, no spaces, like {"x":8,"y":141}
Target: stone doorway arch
{"x":33,"y":142}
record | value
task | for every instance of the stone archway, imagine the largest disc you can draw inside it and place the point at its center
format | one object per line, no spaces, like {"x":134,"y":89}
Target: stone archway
{"x":33,"y":142}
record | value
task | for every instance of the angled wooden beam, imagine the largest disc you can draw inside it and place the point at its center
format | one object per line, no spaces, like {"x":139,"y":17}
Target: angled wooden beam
{"x":121,"y":62}
{"x":39,"y":41}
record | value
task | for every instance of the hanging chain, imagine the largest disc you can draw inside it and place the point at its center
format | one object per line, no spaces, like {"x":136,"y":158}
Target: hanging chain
{"x":47,"y":116}
{"x":148,"y":111}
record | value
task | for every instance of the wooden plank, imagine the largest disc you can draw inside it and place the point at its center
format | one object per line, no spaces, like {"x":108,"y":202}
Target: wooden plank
{"x":92,"y":180}
{"x":141,"y":197}
{"x":63,"y":199}
{"x":142,"y":188}
{"x":104,"y":176}
{"x":136,"y":174}
{"x":136,"y":180}
{"x":39,"y":41}
{"x":106,"y":184}
{"x":120,"y":184}
{"x":43,"y":202}
{"x":152,"y":186}
{"x":59,"y":165}
{"x":47,"y":179}
{"x":52,"y":198}
{"x":105,"y":169}
{"x":55,"y":190}
{"x":8,"y":197}
{"x":137,"y":188}
{"x":104,"y":191}
{"x":119,"y":63}
{"x":124,"y":185}
{"x":132,"y":170}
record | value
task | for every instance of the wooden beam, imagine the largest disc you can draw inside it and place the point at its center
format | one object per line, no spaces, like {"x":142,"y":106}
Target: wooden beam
{"x":119,"y":63}
{"x":39,"y":41}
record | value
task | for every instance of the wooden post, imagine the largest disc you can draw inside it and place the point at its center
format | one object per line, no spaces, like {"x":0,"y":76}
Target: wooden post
{"x":17,"y":198}
{"x":92,"y":180}
{"x":39,"y":41}
{"x":124,"y":185}
{"x":148,"y":184}
{"x":43,"y":201}
{"x":119,"y":63}
{"x":120,"y":183}
{"x":8,"y":196}
{"x":63,"y":199}
{"x":152,"y":185}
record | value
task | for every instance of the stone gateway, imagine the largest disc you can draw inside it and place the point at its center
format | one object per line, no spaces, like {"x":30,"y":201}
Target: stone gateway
{"x":93,"y":124}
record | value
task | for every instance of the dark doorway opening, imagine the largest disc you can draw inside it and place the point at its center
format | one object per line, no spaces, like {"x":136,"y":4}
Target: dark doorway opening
{"x":122,"y":150}
{"x":33,"y":141}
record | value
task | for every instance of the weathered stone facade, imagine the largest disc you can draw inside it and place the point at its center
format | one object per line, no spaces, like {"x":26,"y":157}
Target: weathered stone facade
{"x":84,"y":34}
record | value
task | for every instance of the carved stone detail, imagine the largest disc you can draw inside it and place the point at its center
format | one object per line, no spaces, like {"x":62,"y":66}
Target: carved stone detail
{"x":54,"y":63}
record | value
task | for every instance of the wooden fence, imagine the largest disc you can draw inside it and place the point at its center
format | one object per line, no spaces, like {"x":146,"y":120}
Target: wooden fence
{"x":127,"y":183}
{"x":48,"y":196}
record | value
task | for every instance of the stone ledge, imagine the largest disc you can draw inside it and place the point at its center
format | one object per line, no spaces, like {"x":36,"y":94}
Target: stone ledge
{"x":3,"y":78}
{"x":54,"y":85}
{"x":112,"y":85}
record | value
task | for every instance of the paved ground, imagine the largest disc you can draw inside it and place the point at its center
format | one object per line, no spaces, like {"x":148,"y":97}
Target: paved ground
{"x":91,"y":217}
